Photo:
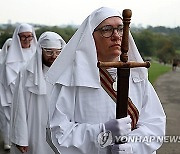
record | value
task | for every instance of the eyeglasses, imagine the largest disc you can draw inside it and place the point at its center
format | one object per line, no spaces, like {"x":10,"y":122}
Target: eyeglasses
{"x":24,"y":37}
{"x":50,"y":52}
{"x":108,"y":30}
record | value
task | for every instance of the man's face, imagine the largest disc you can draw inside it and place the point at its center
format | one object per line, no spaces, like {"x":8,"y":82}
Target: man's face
{"x":25,"y":39}
{"x":49,"y":55}
{"x":108,"y":46}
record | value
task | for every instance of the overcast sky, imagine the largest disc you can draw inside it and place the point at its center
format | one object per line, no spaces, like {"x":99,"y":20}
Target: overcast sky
{"x":59,"y":12}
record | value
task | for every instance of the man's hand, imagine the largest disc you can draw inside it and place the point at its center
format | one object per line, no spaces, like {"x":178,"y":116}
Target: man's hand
{"x":23,"y":149}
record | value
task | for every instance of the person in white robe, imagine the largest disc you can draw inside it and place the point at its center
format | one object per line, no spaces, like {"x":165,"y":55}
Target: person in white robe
{"x":30,"y":101}
{"x":81,"y":110}
{"x":22,"y":48}
{"x":4,"y":125}
{"x":4,"y":49}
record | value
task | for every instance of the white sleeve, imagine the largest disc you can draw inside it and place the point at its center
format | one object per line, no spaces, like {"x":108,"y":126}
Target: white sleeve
{"x":66,"y":133}
{"x":19,"y":127}
{"x":151,"y":123}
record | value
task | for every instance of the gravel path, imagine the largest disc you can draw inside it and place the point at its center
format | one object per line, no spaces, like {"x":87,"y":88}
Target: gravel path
{"x":168,"y":89}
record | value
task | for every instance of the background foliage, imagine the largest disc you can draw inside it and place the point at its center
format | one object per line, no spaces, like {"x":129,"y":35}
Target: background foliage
{"x":160,"y":43}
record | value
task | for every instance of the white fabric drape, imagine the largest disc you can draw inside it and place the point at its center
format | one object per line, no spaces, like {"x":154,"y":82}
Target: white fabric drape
{"x":4,"y":50}
{"x":80,"y":55}
{"x":16,"y":59}
{"x":4,"y":121}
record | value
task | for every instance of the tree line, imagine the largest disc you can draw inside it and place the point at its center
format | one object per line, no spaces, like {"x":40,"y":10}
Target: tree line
{"x":160,"y":43}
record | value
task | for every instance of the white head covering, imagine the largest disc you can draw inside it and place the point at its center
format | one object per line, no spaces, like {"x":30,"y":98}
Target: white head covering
{"x":5,"y":49}
{"x":15,"y":59}
{"x":35,"y":80}
{"x":51,"y":40}
{"x":16,"y":51}
{"x":25,"y":28}
{"x":79,"y":56}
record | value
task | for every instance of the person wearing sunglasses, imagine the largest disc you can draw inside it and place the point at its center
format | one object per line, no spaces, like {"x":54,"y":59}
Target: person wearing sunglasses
{"x":18,"y":56}
{"x":30,"y":102}
{"x":83,"y":99}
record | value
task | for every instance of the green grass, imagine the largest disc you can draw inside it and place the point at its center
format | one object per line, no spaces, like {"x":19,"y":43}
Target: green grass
{"x":178,"y":51}
{"x":157,"y":70}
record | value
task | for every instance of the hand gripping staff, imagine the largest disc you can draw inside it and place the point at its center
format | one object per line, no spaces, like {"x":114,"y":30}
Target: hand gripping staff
{"x":123,"y":68}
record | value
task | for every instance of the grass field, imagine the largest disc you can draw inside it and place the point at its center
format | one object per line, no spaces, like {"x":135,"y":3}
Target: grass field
{"x":157,"y":70}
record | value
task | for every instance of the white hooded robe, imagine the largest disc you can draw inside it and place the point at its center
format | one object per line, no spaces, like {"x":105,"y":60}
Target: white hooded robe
{"x":80,"y":106}
{"x":30,"y":102}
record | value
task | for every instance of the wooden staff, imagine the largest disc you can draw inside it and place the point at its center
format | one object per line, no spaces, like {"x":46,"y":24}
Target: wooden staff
{"x":123,"y":73}
{"x":123,"y":68}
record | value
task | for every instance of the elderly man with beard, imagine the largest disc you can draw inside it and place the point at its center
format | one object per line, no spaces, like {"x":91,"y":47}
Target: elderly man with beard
{"x":30,"y":101}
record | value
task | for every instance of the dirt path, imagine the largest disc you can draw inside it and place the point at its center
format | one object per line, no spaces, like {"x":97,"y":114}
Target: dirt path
{"x":168,"y":89}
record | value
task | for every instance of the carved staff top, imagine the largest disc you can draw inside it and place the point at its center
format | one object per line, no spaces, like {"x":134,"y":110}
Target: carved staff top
{"x":125,"y":43}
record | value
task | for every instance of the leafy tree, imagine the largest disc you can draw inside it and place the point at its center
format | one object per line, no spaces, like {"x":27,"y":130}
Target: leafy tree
{"x":166,"y":53}
{"x":4,"y":37}
{"x":160,"y":42}
{"x":65,"y":32}
{"x":145,"y":42}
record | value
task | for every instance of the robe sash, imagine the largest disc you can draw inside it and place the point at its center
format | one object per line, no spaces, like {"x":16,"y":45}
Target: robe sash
{"x":107,"y":84}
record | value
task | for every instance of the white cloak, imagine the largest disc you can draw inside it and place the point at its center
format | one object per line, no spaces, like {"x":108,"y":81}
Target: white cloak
{"x":80,"y":123}
{"x":29,"y":119}
{"x":80,"y":106}
{"x":30,"y":102}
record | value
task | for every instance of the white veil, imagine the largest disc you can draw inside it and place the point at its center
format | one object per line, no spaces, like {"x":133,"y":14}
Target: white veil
{"x":79,"y":57}
{"x":35,"y":79}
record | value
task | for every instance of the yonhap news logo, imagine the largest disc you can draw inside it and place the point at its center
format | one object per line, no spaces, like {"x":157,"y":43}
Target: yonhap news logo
{"x":106,"y":138}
